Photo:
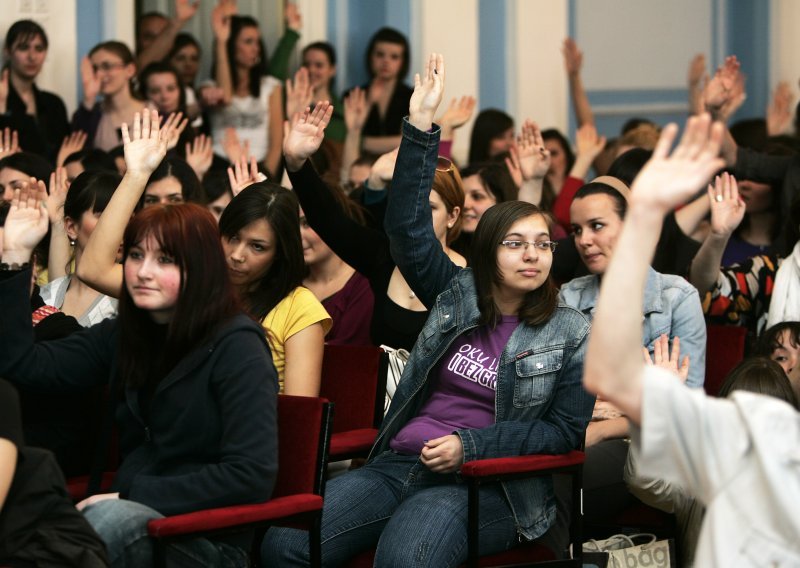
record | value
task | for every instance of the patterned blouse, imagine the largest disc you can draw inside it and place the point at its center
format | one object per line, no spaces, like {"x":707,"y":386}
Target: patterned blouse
{"x":742,"y":293}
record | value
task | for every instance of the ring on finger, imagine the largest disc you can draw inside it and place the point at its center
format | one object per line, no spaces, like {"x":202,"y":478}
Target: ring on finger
{"x":718,"y":198}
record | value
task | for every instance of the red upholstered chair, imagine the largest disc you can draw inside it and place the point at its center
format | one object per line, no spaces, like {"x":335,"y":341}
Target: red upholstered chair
{"x":354,"y":379}
{"x":724,"y":350}
{"x":481,"y":472}
{"x":303,"y":437}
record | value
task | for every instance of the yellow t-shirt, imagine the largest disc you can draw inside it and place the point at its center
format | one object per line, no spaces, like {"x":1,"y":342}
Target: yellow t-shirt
{"x":298,"y":310}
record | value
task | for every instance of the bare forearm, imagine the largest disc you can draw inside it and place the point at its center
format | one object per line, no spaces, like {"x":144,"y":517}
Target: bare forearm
{"x":350,"y":153}
{"x":615,"y":343}
{"x":381,"y":144}
{"x":223,"y":72}
{"x":160,"y":47}
{"x":580,"y":102}
{"x":581,"y":167}
{"x":705,"y":265}
{"x":98,"y":266}
{"x":59,"y":253}
{"x":690,"y":216}
{"x":531,"y":191}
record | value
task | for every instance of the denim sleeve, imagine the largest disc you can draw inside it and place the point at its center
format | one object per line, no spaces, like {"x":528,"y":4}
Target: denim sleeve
{"x":561,"y":428}
{"x":412,"y":242}
{"x":688,"y":324}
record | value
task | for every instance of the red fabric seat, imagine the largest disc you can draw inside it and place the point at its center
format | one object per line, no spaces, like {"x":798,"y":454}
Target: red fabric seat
{"x":304,"y":430}
{"x":724,"y":350}
{"x":354,"y":379}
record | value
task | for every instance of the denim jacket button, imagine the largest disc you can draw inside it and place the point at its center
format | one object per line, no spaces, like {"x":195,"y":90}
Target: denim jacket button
{"x":446,"y":316}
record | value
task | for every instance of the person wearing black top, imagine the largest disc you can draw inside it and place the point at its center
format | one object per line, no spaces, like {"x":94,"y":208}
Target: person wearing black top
{"x":39,"y":117}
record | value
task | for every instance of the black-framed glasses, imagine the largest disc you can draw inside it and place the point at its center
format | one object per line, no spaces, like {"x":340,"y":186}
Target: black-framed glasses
{"x":523,"y":245}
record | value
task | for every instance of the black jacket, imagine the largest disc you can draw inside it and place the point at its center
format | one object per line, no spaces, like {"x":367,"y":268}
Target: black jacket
{"x":41,"y":134}
{"x":211,"y":435}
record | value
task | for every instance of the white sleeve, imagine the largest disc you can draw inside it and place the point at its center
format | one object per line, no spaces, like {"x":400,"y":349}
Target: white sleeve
{"x":686,"y":437}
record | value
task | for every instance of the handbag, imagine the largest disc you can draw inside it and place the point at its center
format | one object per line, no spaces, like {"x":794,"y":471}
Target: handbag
{"x":634,"y":551}
{"x":397,"y":362}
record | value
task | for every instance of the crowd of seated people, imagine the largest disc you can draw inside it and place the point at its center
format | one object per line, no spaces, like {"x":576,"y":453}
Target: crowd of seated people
{"x":183,"y":250}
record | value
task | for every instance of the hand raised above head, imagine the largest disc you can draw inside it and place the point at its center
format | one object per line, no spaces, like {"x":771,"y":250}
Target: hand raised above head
{"x":303,"y":136}
{"x":26,"y":223}
{"x":669,"y":179}
{"x":727,"y":208}
{"x":146,"y":146}
{"x":428,"y":91}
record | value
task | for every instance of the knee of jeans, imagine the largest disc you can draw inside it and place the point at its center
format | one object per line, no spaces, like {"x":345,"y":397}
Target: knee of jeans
{"x":285,"y":547}
{"x":119,"y":522}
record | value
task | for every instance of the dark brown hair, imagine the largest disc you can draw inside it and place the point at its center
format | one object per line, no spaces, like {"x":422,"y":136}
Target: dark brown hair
{"x":187,"y":233}
{"x":762,"y":376}
{"x":538,"y":305}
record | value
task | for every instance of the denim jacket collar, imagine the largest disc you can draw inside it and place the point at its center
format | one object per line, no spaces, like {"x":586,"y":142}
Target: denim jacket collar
{"x":590,"y":291}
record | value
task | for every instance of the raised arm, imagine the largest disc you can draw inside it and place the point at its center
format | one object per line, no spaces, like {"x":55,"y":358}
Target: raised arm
{"x":727,"y":212}
{"x":573,"y":61}
{"x":534,"y":161}
{"x":408,"y":222}
{"x":60,"y":251}
{"x":355,"y":115}
{"x":360,"y":247}
{"x":613,"y":362}
{"x":158,"y":50}
{"x":145,"y":148}
{"x":221,"y":25}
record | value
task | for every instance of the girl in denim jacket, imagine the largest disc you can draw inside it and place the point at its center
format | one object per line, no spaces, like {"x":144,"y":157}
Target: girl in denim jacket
{"x":495,"y":372}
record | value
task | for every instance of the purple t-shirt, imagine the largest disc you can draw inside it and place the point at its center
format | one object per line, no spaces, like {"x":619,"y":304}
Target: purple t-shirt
{"x":463,"y":390}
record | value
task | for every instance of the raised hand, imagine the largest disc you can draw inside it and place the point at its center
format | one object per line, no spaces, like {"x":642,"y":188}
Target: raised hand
{"x":697,"y":70}
{"x":73,"y":142}
{"x":304,"y":135}
{"x":54,"y":203}
{"x":91,"y":84}
{"x":779,"y":112}
{"x":588,"y":145}
{"x":173,"y":128}
{"x":532,"y":156}
{"x":294,"y":20}
{"x":9,"y":142}
{"x":458,"y":112}
{"x":355,"y":109}
{"x":200,"y":154}
{"x":724,"y":93}
{"x":300,"y":93}
{"x":727,"y":208}
{"x":241,"y":176}
{"x":233,"y":147}
{"x":669,"y":179}
{"x":221,"y":19}
{"x":513,"y":165}
{"x":427,"y":94}
{"x":573,"y":57}
{"x":211,"y":96}
{"x":185,"y":10}
{"x":382,"y":170}
{"x":146,"y":146}
{"x":666,"y":359}
{"x":26,"y":223}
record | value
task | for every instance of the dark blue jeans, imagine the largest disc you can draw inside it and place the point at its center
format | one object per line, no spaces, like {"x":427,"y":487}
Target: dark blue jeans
{"x":415,"y":518}
{"x":122,"y":525}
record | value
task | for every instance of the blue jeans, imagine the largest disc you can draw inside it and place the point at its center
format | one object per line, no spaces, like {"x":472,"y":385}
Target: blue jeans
{"x":122,"y":525}
{"x":414,"y":516}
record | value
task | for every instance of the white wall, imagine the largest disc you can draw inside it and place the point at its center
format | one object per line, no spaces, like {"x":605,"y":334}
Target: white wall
{"x":785,"y":43}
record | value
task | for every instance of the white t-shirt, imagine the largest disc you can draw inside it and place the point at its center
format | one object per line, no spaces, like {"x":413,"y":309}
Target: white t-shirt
{"x":249,"y":116}
{"x":102,"y":308}
{"x":740,"y":457}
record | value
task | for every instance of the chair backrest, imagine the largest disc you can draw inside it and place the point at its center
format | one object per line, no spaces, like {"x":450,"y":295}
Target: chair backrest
{"x":724,"y":350}
{"x":304,"y":434}
{"x":354,"y":378}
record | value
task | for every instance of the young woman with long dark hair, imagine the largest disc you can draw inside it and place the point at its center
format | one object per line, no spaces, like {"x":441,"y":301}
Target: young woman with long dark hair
{"x":260,"y":231}
{"x":495,"y":372}
{"x":193,"y":389}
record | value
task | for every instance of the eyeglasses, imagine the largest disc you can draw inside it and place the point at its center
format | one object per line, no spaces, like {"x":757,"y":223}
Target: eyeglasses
{"x":523,"y":245}
{"x":444,"y":164}
{"x":106,"y":66}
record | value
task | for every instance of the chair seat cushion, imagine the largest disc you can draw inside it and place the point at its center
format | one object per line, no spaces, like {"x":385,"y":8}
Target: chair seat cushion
{"x":224,"y":517}
{"x":352,"y":441}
